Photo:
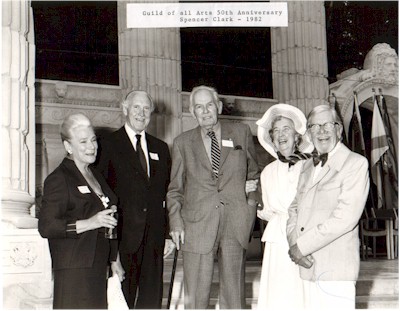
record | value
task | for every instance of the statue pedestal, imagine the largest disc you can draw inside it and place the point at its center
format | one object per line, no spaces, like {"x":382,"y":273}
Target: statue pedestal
{"x":27,"y":278}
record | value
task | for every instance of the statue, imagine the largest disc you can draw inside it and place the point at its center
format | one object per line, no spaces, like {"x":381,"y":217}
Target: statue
{"x":378,"y":76}
{"x":381,"y":63}
{"x":61,"y":89}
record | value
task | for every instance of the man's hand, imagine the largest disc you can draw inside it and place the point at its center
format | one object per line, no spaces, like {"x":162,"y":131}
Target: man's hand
{"x":116,"y":268}
{"x":178,"y":237}
{"x":306,"y":262}
{"x":169,"y":247}
{"x":251,"y":185}
{"x":298,"y":258}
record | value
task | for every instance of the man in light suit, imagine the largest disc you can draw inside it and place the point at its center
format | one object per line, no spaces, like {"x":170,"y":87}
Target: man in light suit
{"x":322,"y":228}
{"x":209,"y":212}
{"x":136,"y":165}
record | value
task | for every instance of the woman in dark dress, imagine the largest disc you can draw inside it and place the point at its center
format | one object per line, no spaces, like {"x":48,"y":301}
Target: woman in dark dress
{"x":74,"y":216}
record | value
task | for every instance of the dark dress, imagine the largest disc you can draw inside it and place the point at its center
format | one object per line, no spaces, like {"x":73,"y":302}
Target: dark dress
{"x":80,"y":261}
{"x":84,"y":288}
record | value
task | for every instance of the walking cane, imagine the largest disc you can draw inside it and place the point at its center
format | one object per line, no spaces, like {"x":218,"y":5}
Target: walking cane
{"x":171,"y":283}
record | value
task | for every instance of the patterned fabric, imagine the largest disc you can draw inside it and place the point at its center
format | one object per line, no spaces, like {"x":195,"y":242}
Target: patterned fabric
{"x":215,"y":153}
{"x":140,"y":153}
{"x":319,"y":158}
{"x":293,"y":158}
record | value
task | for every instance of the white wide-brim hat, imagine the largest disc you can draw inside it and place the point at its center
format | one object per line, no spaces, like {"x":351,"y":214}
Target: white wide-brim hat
{"x":287,"y":111}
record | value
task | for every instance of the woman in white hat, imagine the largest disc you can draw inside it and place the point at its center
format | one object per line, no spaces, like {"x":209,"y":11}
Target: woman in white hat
{"x":281,"y":132}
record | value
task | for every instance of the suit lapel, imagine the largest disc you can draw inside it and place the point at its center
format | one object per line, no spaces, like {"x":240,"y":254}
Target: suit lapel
{"x":199,"y":149}
{"x":334,"y":164}
{"x":151,"y":148}
{"x":81,"y":181}
{"x":226,"y":134}
{"x":308,"y":170}
{"x":322,"y":173}
{"x":128,"y":152}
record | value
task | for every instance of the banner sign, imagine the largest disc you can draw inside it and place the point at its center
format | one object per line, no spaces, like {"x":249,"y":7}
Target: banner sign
{"x":207,"y":14}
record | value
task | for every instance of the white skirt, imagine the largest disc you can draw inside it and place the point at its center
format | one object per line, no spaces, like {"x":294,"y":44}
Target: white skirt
{"x":281,"y":287}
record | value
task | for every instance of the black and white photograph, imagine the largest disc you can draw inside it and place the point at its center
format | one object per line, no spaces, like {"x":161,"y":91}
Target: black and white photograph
{"x":166,"y":154}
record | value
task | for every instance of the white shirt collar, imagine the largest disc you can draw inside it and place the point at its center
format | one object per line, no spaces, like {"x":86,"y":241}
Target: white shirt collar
{"x":143,"y":143}
{"x":333,"y":151}
{"x":318,"y":168}
{"x":132,"y":134}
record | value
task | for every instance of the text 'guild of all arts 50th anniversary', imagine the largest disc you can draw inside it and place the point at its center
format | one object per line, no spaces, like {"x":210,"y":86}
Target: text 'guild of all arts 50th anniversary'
{"x":196,"y":16}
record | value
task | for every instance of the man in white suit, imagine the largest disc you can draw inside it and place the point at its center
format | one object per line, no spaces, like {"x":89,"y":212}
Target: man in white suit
{"x":322,"y":228}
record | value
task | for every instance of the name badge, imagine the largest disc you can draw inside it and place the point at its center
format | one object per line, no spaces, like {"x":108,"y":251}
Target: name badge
{"x":83,"y":189}
{"x":154,"y":156}
{"x":227,"y":143}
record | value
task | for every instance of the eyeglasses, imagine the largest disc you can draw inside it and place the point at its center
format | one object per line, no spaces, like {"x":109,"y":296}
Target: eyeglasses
{"x":328,"y":126}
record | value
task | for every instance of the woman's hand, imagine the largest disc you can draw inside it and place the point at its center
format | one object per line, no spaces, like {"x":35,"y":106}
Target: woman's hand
{"x":101,"y":219}
{"x":104,"y":219}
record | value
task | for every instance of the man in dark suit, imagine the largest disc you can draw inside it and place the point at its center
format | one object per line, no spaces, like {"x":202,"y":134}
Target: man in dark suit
{"x":137,"y":166}
{"x":214,"y":166}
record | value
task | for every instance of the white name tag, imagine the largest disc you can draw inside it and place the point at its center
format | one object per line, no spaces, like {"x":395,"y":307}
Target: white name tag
{"x":227,"y":143}
{"x":154,"y":156}
{"x":84,"y":189}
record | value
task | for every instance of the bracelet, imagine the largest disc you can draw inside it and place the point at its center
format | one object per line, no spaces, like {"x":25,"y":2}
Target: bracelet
{"x":71,"y":227}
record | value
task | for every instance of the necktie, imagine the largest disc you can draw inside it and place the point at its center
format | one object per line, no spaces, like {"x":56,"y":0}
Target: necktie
{"x":319,"y":158}
{"x":140,"y":153}
{"x":215,"y":153}
{"x":293,"y":158}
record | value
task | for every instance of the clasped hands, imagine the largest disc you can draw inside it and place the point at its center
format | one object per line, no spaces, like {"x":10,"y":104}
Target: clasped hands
{"x":297,"y":257}
{"x":251,"y":185}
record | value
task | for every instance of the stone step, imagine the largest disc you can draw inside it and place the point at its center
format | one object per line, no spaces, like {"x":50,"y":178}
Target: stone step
{"x":252,"y":278}
{"x":373,"y":280}
{"x":251,"y":303}
{"x":377,"y":287}
{"x":377,"y":302}
{"x":37,"y":304}
{"x":251,"y":289}
{"x":362,"y":301}
{"x":378,"y":277}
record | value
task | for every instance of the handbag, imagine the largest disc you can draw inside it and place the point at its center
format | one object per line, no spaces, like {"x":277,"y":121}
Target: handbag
{"x":115,"y":296}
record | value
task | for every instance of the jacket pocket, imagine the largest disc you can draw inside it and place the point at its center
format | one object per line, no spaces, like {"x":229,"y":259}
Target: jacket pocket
{"x":189,"y":215}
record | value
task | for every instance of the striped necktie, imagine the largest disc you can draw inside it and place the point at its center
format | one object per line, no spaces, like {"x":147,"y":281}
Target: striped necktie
{"x":215,"y":153}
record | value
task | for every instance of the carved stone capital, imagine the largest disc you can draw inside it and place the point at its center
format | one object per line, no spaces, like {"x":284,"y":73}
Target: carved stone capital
{"x":54,"y":113}
{"x":74,"y":93}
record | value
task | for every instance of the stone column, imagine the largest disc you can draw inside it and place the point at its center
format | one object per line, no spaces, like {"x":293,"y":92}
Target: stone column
{"x":299,"y":56}
{"x":26,"y":263}
{"x":150,"y":61}
{"x":18,"y":122}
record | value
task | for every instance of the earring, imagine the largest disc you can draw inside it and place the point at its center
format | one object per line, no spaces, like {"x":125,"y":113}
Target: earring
{"x":69,"y":151}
